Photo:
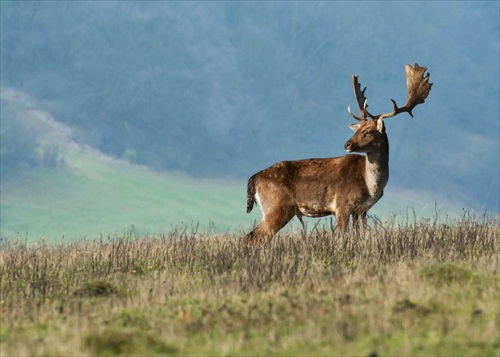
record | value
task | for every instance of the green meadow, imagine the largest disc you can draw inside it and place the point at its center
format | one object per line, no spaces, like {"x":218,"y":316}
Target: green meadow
{"x":94,"y":196}
{"x":97,"y":197}
{"x":54,"y":187}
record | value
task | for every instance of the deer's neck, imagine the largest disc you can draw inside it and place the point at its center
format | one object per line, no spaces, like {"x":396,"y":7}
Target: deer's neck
{"x":377,"y":170}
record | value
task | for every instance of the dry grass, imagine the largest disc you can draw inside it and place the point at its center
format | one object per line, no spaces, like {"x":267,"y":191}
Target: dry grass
{"x":400,"y":289}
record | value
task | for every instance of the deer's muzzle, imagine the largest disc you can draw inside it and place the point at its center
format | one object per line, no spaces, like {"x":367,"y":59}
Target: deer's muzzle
{"x":350,"y":146}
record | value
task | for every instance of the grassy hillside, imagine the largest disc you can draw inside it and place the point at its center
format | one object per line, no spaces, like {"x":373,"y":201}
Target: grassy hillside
{"x":424,"y":289}
{"x":57,"y":188}
{"x":97,"y":196}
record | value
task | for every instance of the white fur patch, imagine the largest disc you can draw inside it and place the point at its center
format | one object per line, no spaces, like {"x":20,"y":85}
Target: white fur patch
{"x":372,"y":178}
{"x":257,"y":198}
{"x":375,"y":179}
{"x":333,"y":207}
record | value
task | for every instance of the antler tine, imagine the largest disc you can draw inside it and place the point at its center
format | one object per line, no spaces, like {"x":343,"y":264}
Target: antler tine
{"x":360,"y":99}
{"x":361,"y":110}
{"x":418,"y":90}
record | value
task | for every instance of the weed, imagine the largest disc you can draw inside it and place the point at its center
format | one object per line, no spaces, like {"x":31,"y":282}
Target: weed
{"x":449,"y":273}
{"x":126,"y":342}
{"x":99,"y":288}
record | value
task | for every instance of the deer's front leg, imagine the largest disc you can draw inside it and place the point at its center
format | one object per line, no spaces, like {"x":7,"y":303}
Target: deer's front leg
{"x":342,"y":216}
{"x":359,"y":220}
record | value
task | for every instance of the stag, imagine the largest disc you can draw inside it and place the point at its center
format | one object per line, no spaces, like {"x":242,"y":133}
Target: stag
{"x":341,"y":186}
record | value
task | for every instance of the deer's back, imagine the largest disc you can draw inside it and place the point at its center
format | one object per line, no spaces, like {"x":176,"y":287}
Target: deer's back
{"x":324,"y":171}
{"x":315,"y":186}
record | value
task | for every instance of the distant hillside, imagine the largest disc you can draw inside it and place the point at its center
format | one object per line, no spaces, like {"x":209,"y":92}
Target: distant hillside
{"x":61,"y":188}
{"x":64,"y":189}
{"x":224,"y":89}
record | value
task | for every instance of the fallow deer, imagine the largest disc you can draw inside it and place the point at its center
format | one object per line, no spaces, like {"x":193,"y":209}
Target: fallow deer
{"x":342,"y":186}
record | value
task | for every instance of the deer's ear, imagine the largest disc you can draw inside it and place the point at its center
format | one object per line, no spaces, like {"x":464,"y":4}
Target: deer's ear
{"x":380,"y":126}
{"x":354,"y":127}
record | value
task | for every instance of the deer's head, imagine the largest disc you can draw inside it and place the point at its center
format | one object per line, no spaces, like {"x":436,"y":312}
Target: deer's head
{"x":369,"y":134}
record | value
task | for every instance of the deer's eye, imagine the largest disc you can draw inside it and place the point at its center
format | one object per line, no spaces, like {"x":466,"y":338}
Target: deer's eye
{"x":366,"y":133}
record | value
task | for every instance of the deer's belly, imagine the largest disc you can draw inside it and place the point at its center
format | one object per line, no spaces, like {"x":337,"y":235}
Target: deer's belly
{"x":317,"y":209}
{"x":321,"y":209}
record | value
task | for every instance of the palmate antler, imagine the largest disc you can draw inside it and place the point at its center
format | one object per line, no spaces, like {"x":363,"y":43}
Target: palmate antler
{"x":418,"y":90}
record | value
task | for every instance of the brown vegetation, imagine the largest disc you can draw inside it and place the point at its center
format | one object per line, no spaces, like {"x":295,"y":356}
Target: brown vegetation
{"x":406,"y":289}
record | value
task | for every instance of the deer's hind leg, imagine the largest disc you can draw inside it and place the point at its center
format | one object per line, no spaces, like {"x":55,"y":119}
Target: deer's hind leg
{"x":359,"y":220}
{"x":272,"y":221}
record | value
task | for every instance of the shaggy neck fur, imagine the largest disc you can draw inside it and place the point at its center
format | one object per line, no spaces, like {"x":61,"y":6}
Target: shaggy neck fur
{"x":377,"y":171}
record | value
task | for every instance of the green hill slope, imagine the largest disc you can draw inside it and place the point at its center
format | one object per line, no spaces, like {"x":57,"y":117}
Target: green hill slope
{"x":59,"y":188}
{"x":55,"y":187}
{"x":96,"y":197}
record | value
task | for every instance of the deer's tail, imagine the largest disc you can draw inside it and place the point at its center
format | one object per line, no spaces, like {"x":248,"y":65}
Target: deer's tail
{"x":250,"y":194}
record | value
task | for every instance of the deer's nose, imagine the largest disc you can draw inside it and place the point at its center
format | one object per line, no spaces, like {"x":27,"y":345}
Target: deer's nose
{"x":349,"y":146}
